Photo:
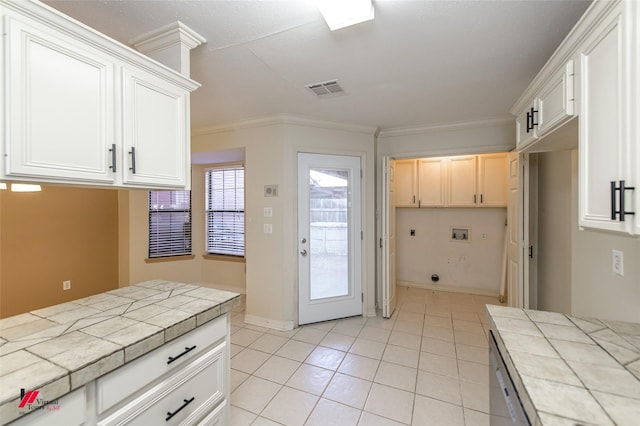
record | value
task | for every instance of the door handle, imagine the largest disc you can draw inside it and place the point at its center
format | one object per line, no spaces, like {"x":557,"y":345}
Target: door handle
{"x":303,"y":252}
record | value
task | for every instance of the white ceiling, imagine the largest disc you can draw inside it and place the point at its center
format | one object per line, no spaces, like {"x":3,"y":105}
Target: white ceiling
{"x":418,"y":63}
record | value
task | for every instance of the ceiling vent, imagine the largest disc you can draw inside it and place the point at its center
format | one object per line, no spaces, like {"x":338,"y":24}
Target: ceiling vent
{"x":325,"y":88}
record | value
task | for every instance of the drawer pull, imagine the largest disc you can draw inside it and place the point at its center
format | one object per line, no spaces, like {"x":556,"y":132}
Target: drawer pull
{"x":186,"y":351}
{"x":186,"y":402}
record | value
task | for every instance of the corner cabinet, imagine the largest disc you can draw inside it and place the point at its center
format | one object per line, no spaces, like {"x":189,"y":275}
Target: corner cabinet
{"x":84,"y":109}
{"x":608,"y":144}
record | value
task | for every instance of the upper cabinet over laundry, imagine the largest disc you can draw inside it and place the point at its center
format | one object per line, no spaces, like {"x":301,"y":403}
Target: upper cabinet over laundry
{"x":82,"y":108}
{"x":602,"y":50}
{"x":460,"y":181}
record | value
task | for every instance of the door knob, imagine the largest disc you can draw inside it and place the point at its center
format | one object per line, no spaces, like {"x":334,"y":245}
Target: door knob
{"x":303,"y":241}
{"x":303,"y":252}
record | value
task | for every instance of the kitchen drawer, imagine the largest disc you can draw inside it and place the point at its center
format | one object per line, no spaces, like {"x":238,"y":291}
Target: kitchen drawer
{"x":217,"y":417}
{"x":181,"y":399}
{"x":68,"y":411}
{"x":134,"y":376}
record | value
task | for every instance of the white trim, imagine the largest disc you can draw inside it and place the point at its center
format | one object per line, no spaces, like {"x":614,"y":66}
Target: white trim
{"x":269,"y":323}
{"x":168,"y":35}
{"x":276,"y":119}
{"x":564,"y":52}
{"x":452,"y":289}
{"x":434,"y":128}
{"x":84,"y":34}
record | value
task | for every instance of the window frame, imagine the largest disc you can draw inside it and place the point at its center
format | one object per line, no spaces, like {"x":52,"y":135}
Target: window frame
{"x":210,"y":252}
{"x":186,"y":251}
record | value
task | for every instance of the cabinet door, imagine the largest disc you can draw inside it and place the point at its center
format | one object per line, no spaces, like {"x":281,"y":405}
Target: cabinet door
{"x":603,"y":148}
{"x":524,"y":134}
{"x":60,"y":113}
{"x":462,"y":181}
{"x":155,"y":124}
{"x":492,"y":180}
{"x":555,"y":102}
{"x":406,"y":183}
{"x":431,"y":182}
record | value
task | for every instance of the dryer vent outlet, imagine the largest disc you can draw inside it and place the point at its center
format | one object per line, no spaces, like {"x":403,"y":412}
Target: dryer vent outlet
{"x":435,"y":278}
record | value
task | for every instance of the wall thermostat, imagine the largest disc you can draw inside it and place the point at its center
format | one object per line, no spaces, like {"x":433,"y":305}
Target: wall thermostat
{"x":271,"y":190}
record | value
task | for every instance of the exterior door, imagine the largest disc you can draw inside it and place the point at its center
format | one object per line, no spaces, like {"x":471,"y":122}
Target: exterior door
{"x":329,"y":237}
{"x":388,"y":239}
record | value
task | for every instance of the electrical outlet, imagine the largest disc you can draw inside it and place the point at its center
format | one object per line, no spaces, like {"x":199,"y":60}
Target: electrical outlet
{"x":268,"y":228}
{"x":66,"y":285}
{"x":617,"y":258}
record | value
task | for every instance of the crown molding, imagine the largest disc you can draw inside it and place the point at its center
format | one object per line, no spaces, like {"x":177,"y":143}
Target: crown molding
{"x":405,"y":131}
{"x":278,"y":119}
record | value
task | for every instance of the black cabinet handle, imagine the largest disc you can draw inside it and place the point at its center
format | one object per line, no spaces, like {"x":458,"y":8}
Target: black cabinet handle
{"x":474,"y":198}
{"x":133,"y":160}
{"x":186,"y":402}
{"x":531,"y":121}
{"x":186,"y":351}
{"x":621,"y":211}
{"x":113,"y":157}
{"x":481,"y":199}
{"x":529,"y":127}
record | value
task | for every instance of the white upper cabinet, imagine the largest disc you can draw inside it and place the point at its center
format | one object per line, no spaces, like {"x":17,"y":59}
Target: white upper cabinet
{"x":608,"y":91}
{"x":492,"y":180}
{"x":594,"y":75}
{"x":155,"y":117}
{"x":79,"y":106}
{"x":462,"y":181}
{"x":406,"y":183}
{"x":60,"y":97}
{"x":432,"y":179}
{"x":550,"y":107}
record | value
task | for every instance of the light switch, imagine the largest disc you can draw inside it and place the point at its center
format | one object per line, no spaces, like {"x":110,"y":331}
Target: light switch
{"x":267,"y":212}
{"x":268,"y":228}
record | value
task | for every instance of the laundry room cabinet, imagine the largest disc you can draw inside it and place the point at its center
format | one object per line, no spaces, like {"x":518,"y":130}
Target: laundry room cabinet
{"x":81,"y":108}
{"x":460,"y":181}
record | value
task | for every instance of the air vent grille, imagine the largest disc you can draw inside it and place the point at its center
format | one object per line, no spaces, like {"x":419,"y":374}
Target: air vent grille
{"x":325,"y":88}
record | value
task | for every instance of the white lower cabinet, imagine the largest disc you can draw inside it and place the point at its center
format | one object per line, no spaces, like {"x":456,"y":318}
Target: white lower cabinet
{"x":183,"y":398}
{"x":70,"y":410}
{"x":181,"y":383}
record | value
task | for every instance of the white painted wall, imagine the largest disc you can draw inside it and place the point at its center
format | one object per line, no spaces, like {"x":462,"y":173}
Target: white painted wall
{"x":556,"y":220}
{"x":473,"y":266}
{"x":271,"y":146}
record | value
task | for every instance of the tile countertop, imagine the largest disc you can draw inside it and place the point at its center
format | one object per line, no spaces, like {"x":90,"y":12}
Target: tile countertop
{"x":62,"y":347}
{"x":569,"y":370}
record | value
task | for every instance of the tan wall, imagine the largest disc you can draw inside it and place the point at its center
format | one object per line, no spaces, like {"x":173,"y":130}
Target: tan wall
{"x":473,"y":265}
{"x":555,"y":223}
{"x":271,"y":158}
{"x":58,"y":234}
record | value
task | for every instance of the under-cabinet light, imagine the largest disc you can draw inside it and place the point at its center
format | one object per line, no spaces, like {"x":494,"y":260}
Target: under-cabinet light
{"x":343,"y":13}
{"x":25,"y":187}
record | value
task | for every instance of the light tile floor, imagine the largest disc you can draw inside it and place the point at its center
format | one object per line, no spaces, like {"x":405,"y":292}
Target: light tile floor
{"x":427,"y":365}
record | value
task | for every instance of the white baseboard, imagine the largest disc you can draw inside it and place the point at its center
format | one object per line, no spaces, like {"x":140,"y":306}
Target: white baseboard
{"x":269,"y":323}
{"x":452,"y":289}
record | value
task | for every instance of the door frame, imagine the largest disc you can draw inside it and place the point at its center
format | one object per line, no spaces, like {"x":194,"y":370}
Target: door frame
{"x":366,"y":289}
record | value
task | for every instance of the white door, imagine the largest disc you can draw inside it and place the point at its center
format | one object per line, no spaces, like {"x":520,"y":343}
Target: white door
{"x":388,"y":239}
{"x":514,"y":241}
{"x":329,"y":237}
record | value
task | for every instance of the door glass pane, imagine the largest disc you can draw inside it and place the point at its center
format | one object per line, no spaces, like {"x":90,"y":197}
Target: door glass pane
{"x":328,"y":199}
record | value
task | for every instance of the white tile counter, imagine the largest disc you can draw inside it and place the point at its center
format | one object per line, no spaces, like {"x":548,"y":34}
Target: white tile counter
{"x":568,"y":370}
{"x":60,"y":348}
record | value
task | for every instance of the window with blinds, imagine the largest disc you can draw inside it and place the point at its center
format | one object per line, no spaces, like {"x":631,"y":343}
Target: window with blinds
{"x":169,"y":223}
{"x":224,"y":188}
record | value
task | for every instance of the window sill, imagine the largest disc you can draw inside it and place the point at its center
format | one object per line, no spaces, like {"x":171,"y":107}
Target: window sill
{"x":169,"y":258}
{"x":223,"y":258}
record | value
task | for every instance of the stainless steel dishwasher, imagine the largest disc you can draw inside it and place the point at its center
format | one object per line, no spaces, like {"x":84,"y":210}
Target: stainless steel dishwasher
{"x":505,"y":405}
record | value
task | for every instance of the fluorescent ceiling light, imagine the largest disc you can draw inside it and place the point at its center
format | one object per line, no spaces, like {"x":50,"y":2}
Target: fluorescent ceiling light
{"x":25,"y":187}
{"x":343,"y":13}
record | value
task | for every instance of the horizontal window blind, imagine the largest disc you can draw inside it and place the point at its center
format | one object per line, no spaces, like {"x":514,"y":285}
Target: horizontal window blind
{"x":225,"y":210}
{"x":169,"y":223}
